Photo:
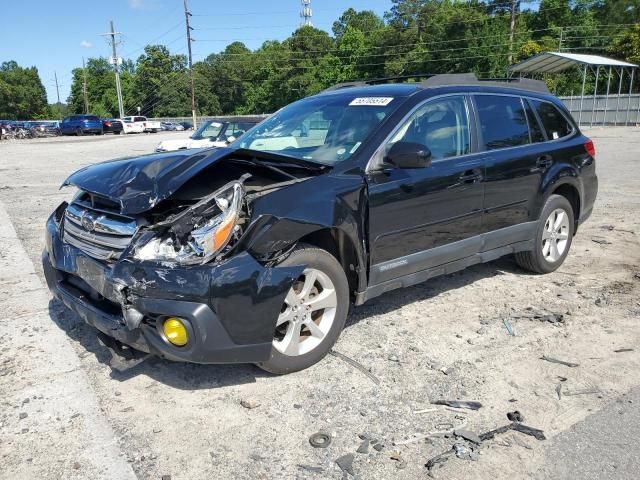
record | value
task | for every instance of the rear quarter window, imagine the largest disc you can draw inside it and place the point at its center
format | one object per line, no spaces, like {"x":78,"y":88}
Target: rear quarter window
{"x":553,"y":121}
{"x":503,"y":121}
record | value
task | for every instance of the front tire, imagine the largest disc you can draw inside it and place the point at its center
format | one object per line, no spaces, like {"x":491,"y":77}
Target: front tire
{"x":314,"y":312}
{"x":553,"y":237}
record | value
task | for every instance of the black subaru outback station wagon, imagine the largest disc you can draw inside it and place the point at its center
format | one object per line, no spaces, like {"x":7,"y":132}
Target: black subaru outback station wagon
{"x":254,"y":253}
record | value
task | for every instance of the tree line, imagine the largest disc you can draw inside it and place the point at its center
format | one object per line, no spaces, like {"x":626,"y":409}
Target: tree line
{"x":414,"y":36}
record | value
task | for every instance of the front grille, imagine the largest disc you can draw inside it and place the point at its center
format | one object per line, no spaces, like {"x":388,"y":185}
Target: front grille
{"x":98,"y":232}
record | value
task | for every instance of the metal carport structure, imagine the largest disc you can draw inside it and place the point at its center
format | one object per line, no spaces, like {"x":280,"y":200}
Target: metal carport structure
{"x":558,"y":62}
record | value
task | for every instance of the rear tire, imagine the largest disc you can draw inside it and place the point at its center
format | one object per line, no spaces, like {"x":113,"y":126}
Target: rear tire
{"x":554,"y":234}
{"x":79,"y":132}
{"x":313,"y":314}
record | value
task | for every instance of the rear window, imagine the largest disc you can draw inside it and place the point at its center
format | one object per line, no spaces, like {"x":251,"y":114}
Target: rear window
{"x":503,"y":121}
{"x":553,"y":122}
{"x":92,"y":118}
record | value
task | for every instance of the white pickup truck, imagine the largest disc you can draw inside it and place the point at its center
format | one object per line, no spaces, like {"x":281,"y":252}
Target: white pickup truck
{"x":137,"y":124}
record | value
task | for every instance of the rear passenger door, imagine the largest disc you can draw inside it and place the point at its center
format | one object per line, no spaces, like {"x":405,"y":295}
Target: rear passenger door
{"x":511,"y":137}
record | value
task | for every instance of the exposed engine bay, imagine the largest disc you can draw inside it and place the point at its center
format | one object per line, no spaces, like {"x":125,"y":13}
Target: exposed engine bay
{"x":205,"y":217}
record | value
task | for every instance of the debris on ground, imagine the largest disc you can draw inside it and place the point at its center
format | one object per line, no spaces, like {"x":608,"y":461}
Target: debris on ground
{"x":345,"y":462}
{"x":425,"y":410}
{"x":561,"y":362}
{"x":414,"y":439}
{"x":378,"y":447}
{"x":355,"y":364}
{"x":364,"y":446}
{"x":311,"y":468}
{"x":467,"y":435}
{"x":559,"y":391}
{"x":440,"y":458}
{"x":250,"y":403}
{"x":320,"y":440}
{"x":518,"y":427}
{"x":397,"y":456}
{"x":508,"y":326}
{"x":584,"y":391}
{"x":621,"y":350}
{"x":471,"y":405}
{"x":515,"y":416}
{"x":601,"y":241}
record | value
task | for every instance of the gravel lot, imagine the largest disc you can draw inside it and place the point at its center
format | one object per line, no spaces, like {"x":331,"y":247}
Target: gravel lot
{"x":67,"y":414}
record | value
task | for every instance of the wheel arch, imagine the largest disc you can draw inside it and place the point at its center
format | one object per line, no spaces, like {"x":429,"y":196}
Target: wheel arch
{"x":567,"y":184}
{"x":341,"y":246}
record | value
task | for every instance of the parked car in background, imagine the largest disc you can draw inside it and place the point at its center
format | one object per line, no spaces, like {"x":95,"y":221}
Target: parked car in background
{"x":171,"y":126}
{"x":187,"y":125}
{"x":6,"y":126}
{"x":139,"y":124}
{"x":44,"y":129}
{"x":112,"y":125}
{"x":81,"y":125}
{"x":212,"y":133}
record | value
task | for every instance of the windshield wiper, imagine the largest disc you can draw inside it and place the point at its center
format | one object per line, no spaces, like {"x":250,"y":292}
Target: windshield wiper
{"x":280,"y":158}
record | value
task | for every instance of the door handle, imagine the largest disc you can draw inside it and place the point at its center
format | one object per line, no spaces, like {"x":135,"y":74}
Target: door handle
{"x":544,"y":161}
{"x":471,"y":176}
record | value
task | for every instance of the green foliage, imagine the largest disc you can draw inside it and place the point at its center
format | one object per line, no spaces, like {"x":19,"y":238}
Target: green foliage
{"x":22,"y":95}
{"x":415,"y":36}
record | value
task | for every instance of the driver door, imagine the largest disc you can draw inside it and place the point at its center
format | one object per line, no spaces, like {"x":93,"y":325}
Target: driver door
{"x":420,"y":218}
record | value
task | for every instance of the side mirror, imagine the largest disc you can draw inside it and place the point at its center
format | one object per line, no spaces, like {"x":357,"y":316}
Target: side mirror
{"x":408,"y":155}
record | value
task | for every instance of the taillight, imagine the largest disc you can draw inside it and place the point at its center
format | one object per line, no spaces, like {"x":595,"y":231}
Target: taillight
{"x":107,"y":124}
{"x":591,"y":150}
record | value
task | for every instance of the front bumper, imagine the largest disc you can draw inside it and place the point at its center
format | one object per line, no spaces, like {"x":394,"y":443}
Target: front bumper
{"x":230,"y":308}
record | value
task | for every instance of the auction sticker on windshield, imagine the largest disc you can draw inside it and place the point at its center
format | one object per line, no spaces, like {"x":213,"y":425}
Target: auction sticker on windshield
{"x":371,"y":101}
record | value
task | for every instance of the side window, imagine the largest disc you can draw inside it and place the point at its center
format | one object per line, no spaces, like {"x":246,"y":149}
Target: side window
{"x":534,"y":126}
{"x":441,"y":125}
{"x":503,"y":121}
{"x":553,"y":122}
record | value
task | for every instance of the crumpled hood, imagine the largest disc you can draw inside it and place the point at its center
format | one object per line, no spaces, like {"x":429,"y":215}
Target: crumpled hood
{"x":140,"y":183}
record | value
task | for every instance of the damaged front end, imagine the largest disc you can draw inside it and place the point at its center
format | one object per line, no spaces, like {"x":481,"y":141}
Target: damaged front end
{"x":129,"y":275}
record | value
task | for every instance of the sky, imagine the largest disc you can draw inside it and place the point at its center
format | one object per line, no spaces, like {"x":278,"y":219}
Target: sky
{"x":54,"y":36}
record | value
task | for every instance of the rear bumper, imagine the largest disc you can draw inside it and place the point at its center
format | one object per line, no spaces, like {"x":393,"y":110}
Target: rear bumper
{"x":230,"y":309}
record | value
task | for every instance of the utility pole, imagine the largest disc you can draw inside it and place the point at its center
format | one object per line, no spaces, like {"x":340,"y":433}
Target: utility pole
{"x":84,"y":87}
{"x":560,"y":41}
{"x":55,"y":76}
{"x":187,"y":14}
{"x":115,"y":60}
{"x":512,"y":28}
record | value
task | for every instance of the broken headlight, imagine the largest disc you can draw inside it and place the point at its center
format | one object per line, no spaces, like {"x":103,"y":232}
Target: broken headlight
{"x":199,"y":233}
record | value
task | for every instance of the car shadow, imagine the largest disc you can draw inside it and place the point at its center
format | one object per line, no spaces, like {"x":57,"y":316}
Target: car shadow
{"x":432,"y":288}
{"x":188,"y":376}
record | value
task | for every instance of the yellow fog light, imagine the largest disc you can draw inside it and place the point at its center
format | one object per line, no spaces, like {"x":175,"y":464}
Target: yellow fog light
{"x":175,"y":331}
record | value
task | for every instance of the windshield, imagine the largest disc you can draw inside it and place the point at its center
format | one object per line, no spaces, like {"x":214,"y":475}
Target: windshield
{"x":326,"y":129}
{"x":209,"y":129}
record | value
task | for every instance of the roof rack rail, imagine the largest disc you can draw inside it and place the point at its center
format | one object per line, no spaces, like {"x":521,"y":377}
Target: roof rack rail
{"x":521,"y":83}
{"x":445,"y":79}
{"x":376,"y":81}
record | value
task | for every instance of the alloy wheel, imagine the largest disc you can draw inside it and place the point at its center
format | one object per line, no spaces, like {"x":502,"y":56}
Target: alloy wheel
{"x":555,"y":235}
{"x":307,"y":315}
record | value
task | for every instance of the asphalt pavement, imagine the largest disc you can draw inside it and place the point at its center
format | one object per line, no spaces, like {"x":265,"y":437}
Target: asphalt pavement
{"x":601,"y":447}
